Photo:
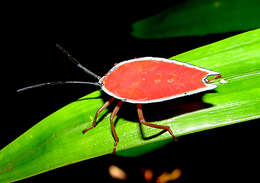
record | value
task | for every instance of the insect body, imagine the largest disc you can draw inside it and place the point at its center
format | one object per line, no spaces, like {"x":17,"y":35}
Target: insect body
{"x":152,"y":79}
{"x":144,"y":80}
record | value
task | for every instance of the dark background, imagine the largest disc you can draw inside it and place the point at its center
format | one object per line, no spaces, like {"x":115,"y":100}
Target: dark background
{"x":98,"y":35}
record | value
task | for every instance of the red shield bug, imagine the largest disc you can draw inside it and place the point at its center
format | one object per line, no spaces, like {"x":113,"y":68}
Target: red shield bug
{"x":142,"y":81}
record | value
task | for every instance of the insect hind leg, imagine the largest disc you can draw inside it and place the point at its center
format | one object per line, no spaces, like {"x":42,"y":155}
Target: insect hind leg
{"x":144,"y":122}
{"x":215,"y":77}
{"x":106,"y":104}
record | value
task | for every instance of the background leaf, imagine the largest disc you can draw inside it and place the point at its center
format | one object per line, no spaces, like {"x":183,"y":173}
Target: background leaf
{"x":57,"y":140}
{"x":193,"y":17}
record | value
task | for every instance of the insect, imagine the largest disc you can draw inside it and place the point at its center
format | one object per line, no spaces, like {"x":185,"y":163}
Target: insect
{"x":142,"y":81}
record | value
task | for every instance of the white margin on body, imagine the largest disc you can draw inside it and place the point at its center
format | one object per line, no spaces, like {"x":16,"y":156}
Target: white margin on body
{"x":208,"y":86}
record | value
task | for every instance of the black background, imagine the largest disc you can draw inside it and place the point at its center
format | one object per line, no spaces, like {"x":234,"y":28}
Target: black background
{"x":98,"y":35}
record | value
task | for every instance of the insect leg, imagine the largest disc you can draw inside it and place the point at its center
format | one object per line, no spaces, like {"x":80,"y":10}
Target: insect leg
{"x":142,"y":121}
{"x":116,"y":109}
{"x":215,"y":77}
{"x":106,"y":104}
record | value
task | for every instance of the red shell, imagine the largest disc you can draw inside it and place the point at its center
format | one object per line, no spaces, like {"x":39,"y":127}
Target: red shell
{"x":152,"y":79}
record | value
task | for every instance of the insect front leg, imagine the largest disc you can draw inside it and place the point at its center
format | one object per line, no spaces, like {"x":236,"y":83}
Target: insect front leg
{"x":106,"y":104}
{"x":144,"y":122}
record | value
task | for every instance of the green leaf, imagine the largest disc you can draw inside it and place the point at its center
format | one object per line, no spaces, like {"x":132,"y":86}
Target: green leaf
{"x":57,"y":140}
{"x":200,"y":17}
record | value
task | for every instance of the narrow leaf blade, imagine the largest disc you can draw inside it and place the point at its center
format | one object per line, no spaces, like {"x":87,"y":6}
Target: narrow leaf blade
{"x":199,"y":18}
{"x":58,"y":140}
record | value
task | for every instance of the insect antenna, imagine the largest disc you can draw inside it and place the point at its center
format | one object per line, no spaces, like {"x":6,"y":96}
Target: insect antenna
{"x":57,"y":83}
{"x":73,"y":60}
